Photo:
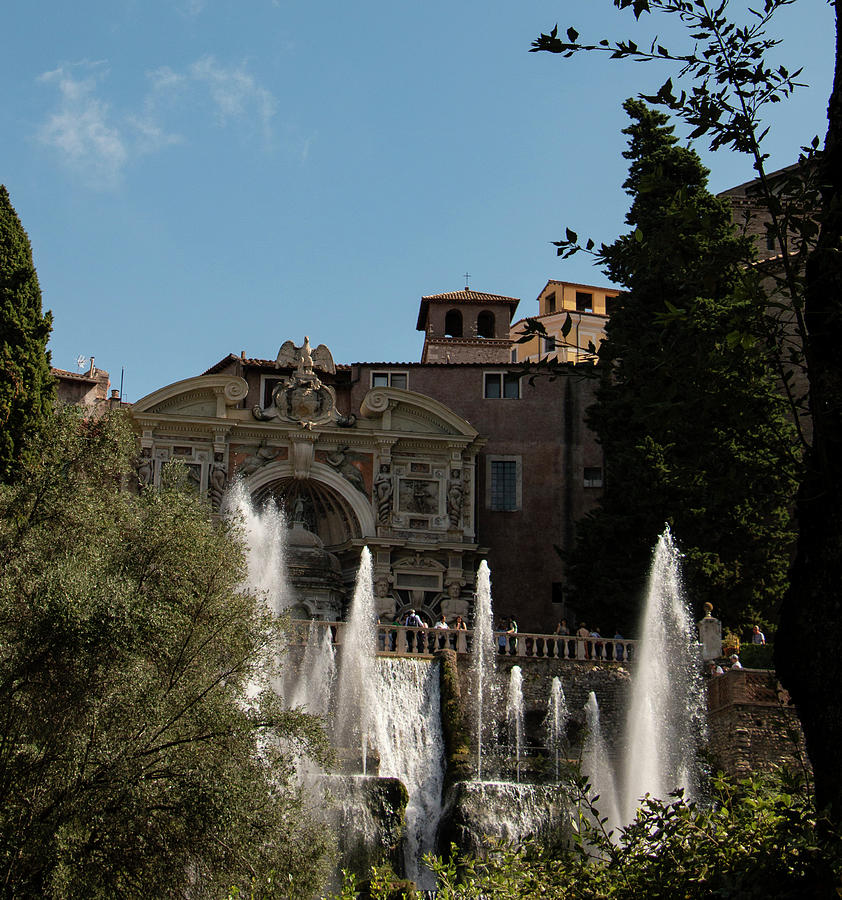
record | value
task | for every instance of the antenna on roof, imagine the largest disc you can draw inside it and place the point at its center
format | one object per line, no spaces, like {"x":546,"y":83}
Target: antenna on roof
{"x":81,"y":362}
{"x":467,"y":286}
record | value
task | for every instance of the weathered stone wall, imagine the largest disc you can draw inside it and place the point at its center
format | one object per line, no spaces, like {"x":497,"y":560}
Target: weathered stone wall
{"x":752,"y":724}
{"x":609,"y":681}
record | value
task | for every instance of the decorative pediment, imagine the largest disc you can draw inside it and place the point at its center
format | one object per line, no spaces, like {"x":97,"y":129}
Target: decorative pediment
{"x":205,"y":396}
{"x":409,"y":412}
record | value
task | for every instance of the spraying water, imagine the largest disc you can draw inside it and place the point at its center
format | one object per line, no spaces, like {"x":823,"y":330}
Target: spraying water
{"x":555,"y":722}
{"x":265,"y":534}
{"x":483,"y":662}
{"x":597,"y":766}
{"x":314,"y":684}
{"x":514,"y":716}
{"x":665,"y":725}
{"x":357,"y":690}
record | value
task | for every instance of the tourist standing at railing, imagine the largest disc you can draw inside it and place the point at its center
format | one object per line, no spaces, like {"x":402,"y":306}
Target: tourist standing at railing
{"x":512,"y":633}
{"x":413,"y":620}
{"x":618,"y":648}
{"x":583,"y":644}
{"x":597,"y":643}
{"x":757,"y":636}
{"x":563,"y":649}
{"x":442,"y":625}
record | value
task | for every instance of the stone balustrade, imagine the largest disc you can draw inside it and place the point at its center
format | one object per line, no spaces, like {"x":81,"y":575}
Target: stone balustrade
{"x":400,"y":640}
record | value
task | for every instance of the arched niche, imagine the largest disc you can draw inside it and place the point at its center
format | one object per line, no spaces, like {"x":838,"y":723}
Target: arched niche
{"x":453,"y":323}
{"x":485,"y":324}
{"x":338,"y":511}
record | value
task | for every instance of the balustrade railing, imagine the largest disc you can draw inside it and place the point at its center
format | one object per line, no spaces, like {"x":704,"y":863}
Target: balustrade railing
{"x":402,"y":640}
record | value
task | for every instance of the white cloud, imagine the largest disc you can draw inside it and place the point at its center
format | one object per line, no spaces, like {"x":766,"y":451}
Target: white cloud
{"x":80,"y":128}
{"x":234,"y":92}
{"x":98,"y":143}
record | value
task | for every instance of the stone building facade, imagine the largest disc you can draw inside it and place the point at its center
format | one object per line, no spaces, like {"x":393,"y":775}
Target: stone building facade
{"x":434,"y":466}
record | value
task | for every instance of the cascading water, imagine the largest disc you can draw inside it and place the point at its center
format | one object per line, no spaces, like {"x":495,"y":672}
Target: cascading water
{"x":596,"y":765}
{"x":514,"y":716}
{"x":665,"y":725}
{"x":408,"y":735}
{"x":555,"y":722}
{"x":483,"y":664}
{"x":357,"y":689}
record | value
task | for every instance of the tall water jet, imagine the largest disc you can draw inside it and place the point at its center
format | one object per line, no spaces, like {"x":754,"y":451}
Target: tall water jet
{"x":483,"y":662}
{"x":514,"y":716}
{"x":357,"y":690}
{"x":264,"y":532}
{"x":555,"y":722}
{"x":596,"y":765}
{"x":665,"y":725}
{"x":316,"y":674}
{"x":408,"y":736}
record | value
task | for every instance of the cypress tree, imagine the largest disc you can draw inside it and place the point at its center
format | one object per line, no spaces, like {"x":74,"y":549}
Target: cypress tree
{"x":692,"y":422}
{"x":26,"y":385}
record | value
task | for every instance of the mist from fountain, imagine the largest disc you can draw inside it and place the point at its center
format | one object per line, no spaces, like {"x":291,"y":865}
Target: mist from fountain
{"x":514,"y":716}
{"x":555,"y":722}
{"x":597,"y":766}
{"x":356,"y":695}
{"x":665,"y":722}
{"x":483,"y":667}
{"x":314,"y":684}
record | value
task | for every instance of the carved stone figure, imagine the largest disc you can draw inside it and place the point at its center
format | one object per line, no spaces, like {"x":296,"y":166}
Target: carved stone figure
{"x":347,"y":470}
{"x":218,"y":481}
{"x":383,"y":491}
{"x":257,"y":460}
{"x":290,"y":356}
{"x":145,"y":468}
{"x":381,"y":587}
{"x":454,"y":502}
{"x":302,"y":398}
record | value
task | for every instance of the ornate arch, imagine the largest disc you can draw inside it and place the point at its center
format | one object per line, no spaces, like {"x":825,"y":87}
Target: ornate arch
{"x":280,"y":473}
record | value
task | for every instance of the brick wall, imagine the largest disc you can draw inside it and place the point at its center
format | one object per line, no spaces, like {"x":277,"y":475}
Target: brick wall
{"x":752,"y":724}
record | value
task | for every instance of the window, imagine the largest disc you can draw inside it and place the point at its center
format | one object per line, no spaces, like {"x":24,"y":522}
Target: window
{"x":550,"y":300}
{"x":390,"y":379}
{"x":584,"y":302}
{"x":610,"y":304}
{"x":453,"y":323}
{"x":770,"y":241}
{"x":593,"y":477}
{"x":501,"y":385}
{"x":485,"y":324}
{"x":503,"y":485}
{"x":549,"y":344}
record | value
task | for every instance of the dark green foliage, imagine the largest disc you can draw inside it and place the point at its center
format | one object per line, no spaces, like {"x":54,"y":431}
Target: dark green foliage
{"x":691,"y":419}
{"x":26,"y":385}
{"x":128,"y":759}
{"x":751,"y":839}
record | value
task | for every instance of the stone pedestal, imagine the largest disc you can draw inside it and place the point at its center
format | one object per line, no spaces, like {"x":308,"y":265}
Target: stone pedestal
{"x":710,"y":635}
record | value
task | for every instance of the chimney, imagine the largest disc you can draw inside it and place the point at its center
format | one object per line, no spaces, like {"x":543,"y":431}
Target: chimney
{"x":92,"y":370}
{"x":115,"y":396}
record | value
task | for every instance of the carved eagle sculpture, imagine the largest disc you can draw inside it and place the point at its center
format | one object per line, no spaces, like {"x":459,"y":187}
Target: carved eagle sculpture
{"x":289,"y":356}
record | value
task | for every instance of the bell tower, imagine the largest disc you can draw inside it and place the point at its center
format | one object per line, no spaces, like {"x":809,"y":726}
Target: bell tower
{"x":466,"y":327}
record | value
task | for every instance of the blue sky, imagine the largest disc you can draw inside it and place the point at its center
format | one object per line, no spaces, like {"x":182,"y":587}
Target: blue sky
{"x":200,"y":177}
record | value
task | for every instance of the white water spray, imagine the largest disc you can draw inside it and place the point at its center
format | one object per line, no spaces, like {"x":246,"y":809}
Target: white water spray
{"x":597,"y":766}
{"x":555,"y":722}
{"x":317,"y":673}
{"x":514,"y":716}
{"x":483,"y":662}
{"x":665,"y":725}
{"x":357,"y":690}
